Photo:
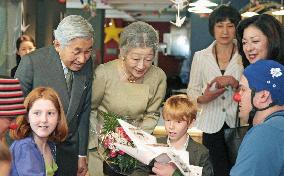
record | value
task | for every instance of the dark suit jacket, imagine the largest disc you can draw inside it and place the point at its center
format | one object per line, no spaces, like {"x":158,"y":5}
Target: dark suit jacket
{"x":198,"y":156}
{"x":43,"y":68}
{"x":13,"y":71}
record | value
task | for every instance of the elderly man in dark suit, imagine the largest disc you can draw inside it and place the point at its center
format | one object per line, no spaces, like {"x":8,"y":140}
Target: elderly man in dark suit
{"x":66,"y":67}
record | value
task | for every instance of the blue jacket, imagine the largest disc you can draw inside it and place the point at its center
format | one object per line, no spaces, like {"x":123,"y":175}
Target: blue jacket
{"x":27,"y":159}
{"x":262,"y":150}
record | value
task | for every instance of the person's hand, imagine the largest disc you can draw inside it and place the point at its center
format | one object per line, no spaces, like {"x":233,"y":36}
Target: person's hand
{"x":161,"y":169}
{"x":82,"y":166}
{"x":210,"y":95}
{"x":225,"y":81}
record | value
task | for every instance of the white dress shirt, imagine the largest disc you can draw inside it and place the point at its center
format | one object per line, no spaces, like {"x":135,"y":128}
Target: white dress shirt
{"x":65,"y":69}
{"x":204,"y":69}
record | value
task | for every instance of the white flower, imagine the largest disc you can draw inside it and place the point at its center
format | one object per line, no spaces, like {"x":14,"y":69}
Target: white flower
{"x":275,"y":72}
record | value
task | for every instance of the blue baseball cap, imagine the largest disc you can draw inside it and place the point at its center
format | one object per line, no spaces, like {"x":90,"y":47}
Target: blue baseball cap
{"x":267,"y":75}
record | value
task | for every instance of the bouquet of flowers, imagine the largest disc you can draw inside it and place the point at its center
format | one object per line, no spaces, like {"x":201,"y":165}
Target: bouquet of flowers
{"x":111,"y":133}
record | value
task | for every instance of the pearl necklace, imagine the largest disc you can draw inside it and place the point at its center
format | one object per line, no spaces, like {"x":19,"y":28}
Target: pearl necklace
{"x":125,"y":74}
{"x":184,"y":145}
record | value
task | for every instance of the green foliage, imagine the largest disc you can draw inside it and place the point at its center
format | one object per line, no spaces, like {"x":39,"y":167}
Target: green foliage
{"x":125,"y":162}
{"x":110,"y":121}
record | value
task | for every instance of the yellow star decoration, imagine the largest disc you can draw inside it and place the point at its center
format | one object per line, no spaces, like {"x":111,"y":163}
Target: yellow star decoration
{"x":112,"y":32}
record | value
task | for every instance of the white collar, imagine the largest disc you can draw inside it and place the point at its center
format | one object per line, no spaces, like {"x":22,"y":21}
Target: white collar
{"x":184,"y":145}
{"x":65,"y":69}
{"x":209,"y":49}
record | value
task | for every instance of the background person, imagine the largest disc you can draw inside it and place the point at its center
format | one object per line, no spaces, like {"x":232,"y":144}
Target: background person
{"x":261,"y":37}
{"x":261,"y":151}
{"x":34,"y":150}
{"x":11,"y":103}
{"x":24,"y":44}
{"x":213,"y":70}
{"x":67,"y":68}
{"x":130,"y":86}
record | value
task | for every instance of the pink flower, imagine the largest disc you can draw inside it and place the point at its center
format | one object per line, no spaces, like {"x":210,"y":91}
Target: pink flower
{"x":112,"y":154}
{"x":120,"y":130}
{"x":121,"y":152}
{"x":123,"y":134}
{"x":127,"y":138}
{"x":107,"y":142}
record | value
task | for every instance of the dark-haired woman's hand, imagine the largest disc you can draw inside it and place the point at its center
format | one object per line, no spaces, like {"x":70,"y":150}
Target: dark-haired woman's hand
{"x":210,"y":94}
{"x":225,"y":81}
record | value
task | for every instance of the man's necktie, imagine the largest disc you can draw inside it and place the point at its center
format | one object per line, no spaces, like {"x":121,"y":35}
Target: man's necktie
{"x":69,"y":80}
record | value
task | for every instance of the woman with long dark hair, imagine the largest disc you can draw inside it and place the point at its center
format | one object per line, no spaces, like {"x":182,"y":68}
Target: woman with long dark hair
{"x":24,"y":44}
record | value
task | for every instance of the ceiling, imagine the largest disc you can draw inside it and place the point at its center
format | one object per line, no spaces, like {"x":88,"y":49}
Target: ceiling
{"x":154,"y":10}
{"x":130,"y":10}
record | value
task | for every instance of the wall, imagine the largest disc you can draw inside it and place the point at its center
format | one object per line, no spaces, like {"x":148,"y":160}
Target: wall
{"x":111,"y":50}
{"x":43,"y":17}
{"x":10,"y":18}
{"x":169,"y":64}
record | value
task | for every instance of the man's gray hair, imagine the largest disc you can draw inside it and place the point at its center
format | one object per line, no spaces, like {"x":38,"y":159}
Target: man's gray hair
{"x":71,"y":27}
{"x":138,"y":35}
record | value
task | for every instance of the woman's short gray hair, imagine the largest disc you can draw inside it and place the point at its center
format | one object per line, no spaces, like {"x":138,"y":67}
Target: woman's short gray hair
{"x":71,"y":27}
{"x":138,"y":34}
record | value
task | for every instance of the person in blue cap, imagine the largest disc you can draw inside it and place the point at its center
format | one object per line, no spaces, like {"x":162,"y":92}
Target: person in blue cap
{"x":262,"y":105}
